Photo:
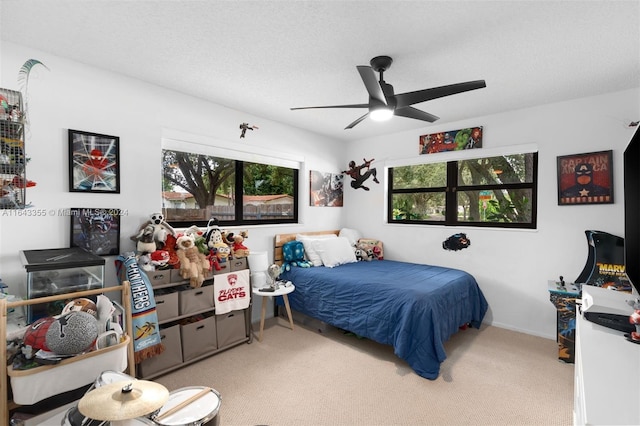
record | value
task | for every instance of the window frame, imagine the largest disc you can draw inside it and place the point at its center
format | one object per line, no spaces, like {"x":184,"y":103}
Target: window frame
{"x":202,"y":145}
{"x":452,"y":188}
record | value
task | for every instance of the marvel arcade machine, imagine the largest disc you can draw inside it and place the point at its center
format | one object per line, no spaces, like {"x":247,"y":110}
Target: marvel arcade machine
{"x":605,"y":268}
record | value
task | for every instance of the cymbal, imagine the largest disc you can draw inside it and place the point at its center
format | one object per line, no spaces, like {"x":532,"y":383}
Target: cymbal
{"x":123,"y":400}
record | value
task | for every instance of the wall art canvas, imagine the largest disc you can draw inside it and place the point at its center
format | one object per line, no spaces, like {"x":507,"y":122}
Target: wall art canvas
{"x":325,"y":189}
{"x":94,"y":163}
{"x":453,"y":140}
{"x":96,"y":230}
{"x":585,"y":178}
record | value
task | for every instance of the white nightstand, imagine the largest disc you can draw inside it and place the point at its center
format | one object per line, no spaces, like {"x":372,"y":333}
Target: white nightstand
{"x":282,"y":291}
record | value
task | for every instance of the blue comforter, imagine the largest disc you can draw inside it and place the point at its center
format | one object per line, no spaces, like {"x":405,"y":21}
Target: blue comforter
{"x":415,"y":308}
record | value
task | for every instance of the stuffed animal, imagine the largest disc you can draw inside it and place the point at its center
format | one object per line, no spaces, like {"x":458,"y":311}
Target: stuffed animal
{"x":160,"y":259}
{"x":363,"y":255}
{"x":144,"y":262}
{"x":217,"y":246}
{"x":145,"y":242}
{"x":293,"y":252}
{"x":238,"y":249}
{"x":160,"y":229}
{"x":193,"y":264}
{"x":170,"y":247}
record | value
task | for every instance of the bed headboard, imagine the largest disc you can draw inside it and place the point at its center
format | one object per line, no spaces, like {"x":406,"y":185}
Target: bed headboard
{"x":280,"y":239}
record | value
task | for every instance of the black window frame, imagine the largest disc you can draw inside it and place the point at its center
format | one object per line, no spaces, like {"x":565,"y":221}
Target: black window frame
{"x":451,"y":203}
{"x":239,"y":204}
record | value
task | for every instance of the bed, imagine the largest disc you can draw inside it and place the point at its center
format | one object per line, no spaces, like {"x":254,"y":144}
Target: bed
{"x":413,"y":307}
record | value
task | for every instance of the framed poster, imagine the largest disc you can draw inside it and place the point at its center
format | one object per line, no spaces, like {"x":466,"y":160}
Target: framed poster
{"x":453,"y":140}
{"x":585,"y":178}
{"x":96,"y":230}
{"x":325,"y":189}
{"x":94,"y":162}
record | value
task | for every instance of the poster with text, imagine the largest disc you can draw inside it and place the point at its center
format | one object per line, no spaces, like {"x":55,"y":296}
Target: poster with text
{"x":585,"y":178}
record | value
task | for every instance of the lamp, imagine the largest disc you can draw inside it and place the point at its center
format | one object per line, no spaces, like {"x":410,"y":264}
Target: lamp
{"x":258,"y":264}
{"x":381,"y":113}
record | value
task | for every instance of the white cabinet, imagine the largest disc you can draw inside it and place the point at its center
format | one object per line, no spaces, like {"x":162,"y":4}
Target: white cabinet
{"x":607,"y":367}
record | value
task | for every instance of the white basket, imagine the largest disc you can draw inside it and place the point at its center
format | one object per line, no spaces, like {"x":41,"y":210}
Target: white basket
{"x":34,"y":385}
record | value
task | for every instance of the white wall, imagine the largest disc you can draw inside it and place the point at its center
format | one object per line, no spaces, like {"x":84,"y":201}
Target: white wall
{"x":74,"y":96}
{"x":512,"y":266}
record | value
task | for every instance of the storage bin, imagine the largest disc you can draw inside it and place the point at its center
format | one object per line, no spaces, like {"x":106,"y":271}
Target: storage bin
{"x":171,"y":356}
{"x":238,"y":264}
{"x":198,"y":338}
{"x":175,"y":276}
{"x":224,"y":268}
{"x":34,"y":385}
{"x":159,"y":277}
{"x":167,"y":304}
{"x":230,"y":328}
{"x":194,"y":300}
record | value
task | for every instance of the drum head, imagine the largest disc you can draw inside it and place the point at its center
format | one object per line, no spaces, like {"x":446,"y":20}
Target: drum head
{"x":198,"y":412}
{"x":73,"y":417}
{"x":109,"y":376}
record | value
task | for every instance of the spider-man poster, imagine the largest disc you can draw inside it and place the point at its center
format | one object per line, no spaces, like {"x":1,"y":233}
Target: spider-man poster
{"x":93,"y":162}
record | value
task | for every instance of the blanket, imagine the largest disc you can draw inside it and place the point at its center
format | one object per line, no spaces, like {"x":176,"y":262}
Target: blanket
{"x":231,"y":291}
{"x":146,"y":334}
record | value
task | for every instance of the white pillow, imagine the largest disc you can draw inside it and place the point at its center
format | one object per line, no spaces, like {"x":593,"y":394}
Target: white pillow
{"x":353,"y":235}
{"x":335,"y":251}
{"x":309,"y":250}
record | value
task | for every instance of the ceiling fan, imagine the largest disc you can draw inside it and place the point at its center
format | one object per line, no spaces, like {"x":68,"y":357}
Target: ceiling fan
{"x":383,"y":103}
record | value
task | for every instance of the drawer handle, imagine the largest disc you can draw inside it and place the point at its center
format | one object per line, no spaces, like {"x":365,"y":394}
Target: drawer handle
{"x":199,"y":327}
{"x":198,"y":293}
{"x":159,"y":302}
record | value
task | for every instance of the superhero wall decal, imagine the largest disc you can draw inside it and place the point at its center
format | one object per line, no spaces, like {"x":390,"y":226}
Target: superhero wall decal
{"x":360,"y":174}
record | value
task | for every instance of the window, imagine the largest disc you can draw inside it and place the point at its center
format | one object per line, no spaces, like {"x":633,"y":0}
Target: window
{"x":197,"y":187}
{"x":498,"y":191}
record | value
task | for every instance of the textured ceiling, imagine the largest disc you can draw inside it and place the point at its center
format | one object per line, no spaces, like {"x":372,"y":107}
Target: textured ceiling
{"x":263,"y":57}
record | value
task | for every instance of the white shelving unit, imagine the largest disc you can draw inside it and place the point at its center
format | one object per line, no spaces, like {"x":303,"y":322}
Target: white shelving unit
{"x":607,"y":368}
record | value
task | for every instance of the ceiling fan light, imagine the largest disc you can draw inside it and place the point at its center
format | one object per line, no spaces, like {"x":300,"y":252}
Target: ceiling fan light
{"x":381,"y":114}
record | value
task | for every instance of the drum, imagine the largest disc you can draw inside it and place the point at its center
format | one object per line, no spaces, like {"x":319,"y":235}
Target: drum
{"x":201,"y":411}
{"x":73,"y":417}
{"x":109,"y":376}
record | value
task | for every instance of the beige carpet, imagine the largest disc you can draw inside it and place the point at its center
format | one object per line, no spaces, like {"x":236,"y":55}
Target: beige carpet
{"x":492,"y":376}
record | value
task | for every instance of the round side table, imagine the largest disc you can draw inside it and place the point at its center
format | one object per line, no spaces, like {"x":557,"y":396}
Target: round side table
{"x":282,"y":291}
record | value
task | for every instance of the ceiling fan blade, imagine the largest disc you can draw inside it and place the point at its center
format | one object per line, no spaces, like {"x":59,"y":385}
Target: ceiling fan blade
{"x":410,"y":98}
{"x":352,"y":125}
{"x":411,"y":112}
{"x":371,"y":83}
{"x":334,"y":106}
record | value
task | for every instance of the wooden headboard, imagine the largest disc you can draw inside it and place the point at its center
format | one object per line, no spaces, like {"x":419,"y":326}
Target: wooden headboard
{"x":280,"y":239}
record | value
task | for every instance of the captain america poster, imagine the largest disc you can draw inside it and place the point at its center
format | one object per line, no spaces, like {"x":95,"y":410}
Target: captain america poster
{"x":585,"y":178}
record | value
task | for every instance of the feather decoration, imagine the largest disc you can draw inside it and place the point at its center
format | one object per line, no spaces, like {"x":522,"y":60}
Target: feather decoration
{"x":23,"y":74}
{"x":23,"y":84}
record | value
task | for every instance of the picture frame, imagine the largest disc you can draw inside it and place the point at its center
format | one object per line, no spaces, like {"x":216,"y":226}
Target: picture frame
{"x":325,"y":189}
{"x":95,"y":230}
{"x":452,"y":140}
{"x":585,"y":178}
{"x":94,"y":162}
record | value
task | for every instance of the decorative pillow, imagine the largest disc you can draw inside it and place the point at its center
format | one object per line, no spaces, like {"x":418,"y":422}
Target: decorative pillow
{"x":335,"y":251}
{"x":371,"y":246}
{"x":353,"y":235}
{"x":309,"y":251}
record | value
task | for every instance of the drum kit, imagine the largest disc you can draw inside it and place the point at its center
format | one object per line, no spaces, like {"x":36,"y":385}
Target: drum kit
{"x":117,"y":399}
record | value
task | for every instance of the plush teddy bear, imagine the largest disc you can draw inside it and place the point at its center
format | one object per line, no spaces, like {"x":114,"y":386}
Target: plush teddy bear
{"x":238,"y":249}
{"x":160,"y":230}
{"x":193,"y":264}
